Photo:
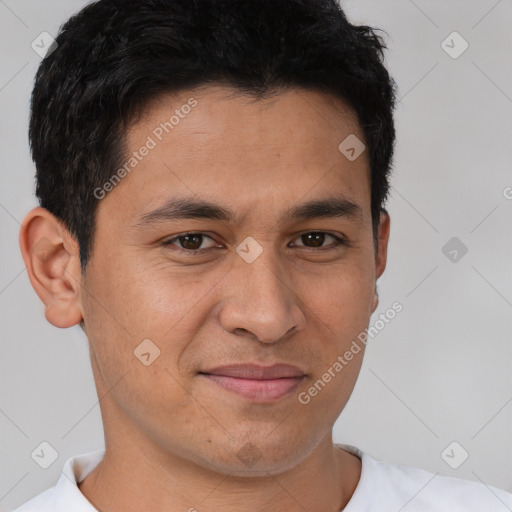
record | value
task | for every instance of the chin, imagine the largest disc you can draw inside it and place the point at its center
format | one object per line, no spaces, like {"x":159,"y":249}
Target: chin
{"x":259,"y":457}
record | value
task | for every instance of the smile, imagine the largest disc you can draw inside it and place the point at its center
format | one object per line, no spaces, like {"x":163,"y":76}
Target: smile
{"x":258,"y":390}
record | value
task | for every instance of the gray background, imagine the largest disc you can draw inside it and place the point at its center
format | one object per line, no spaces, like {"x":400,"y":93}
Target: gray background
{"x":439,"y":372}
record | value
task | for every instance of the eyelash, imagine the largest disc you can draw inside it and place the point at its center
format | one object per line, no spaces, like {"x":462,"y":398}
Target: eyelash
{"x":193,"y":252}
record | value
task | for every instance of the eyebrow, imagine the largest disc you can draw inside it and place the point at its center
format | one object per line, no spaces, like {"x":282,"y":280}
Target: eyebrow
{"x":188,"y":208}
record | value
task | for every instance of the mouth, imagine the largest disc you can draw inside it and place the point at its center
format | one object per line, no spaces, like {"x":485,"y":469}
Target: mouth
{"x":255,"y":382}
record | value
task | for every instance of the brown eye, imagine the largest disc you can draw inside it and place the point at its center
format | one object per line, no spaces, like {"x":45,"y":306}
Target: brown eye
{"x":316,"y":239}
{"x":189,"y":242}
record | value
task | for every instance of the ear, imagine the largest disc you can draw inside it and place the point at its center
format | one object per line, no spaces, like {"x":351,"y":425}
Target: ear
{"x":382,"y":252}
{"x":51,"y":256}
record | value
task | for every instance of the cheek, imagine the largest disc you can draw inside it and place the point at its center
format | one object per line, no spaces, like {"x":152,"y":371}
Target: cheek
{"x":157,"y":303}
{"x":123,"y":314}
{"x":340,"y":310}
{"x":340,"y":299}
{"x":147,"y":299}
{"x":169,"y":304}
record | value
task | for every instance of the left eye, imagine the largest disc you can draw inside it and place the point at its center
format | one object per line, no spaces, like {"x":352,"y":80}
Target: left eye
{"x":318,"y":237}
{"x":190,"y":243}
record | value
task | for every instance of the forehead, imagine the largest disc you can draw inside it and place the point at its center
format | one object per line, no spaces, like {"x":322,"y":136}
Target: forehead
{"x":217,"y":111}
{"x":215,"y":143}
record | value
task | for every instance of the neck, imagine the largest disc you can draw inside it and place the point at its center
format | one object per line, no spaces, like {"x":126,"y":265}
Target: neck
{"x":141,"y":477}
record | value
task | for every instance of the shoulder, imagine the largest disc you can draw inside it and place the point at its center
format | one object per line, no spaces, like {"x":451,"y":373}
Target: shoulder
{"x":426,"y":491}
{"x":43,"y":502}
{"x":385,"y":486}
{"x":65,"y":495}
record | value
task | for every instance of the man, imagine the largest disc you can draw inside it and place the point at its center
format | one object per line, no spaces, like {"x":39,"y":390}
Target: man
{"x":212,"y":177}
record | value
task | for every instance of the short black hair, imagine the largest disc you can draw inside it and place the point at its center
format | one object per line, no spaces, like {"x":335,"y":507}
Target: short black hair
{"x":114,"y":56}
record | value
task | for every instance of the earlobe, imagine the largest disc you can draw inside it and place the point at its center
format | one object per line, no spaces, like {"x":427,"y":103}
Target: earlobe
{"x":52,"y":260}
{"x":382,"y":250}
{"x":375,"y":301}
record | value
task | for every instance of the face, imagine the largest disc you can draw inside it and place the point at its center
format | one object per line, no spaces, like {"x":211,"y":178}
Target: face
{"x":252,"y":279}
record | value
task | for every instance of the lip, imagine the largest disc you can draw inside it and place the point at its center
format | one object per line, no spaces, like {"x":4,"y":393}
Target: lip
{"x":256,"y":371}
{"x":255,"y":382}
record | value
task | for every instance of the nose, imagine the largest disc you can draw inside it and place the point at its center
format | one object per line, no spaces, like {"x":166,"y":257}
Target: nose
{"x":260,"y":300}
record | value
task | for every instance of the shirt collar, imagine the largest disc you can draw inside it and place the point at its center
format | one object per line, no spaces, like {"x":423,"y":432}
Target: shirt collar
{"x":68,"y":495}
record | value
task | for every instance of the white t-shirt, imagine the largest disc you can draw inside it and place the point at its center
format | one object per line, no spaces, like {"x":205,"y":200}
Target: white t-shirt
{"x":383,"y":487}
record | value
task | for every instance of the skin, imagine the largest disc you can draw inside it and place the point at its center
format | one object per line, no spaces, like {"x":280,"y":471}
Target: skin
{"x":172,"y":438}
